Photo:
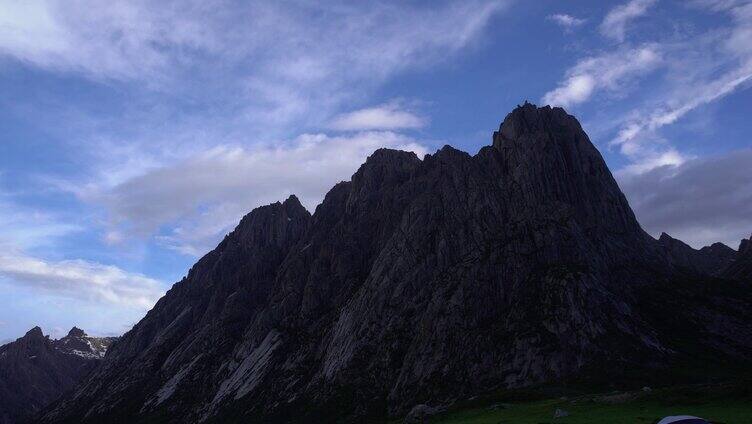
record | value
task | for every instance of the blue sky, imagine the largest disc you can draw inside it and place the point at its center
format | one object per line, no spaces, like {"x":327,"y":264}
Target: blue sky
{"x":134,"y":135}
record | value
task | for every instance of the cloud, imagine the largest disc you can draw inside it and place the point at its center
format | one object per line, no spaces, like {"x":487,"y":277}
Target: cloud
{"x":383,"y":117}
{"x":270,"y":62}
{"x":646,"y":159}
{"x":691,"y":69}
{"x":614,"y":25}
{"x":566,"y":22}
{"x":700,"y":202}
{"x":693,"y":97}
{"x":723,"y":67}
{"x":23,"y":227}
{"x":190,"y":204}
{"x":208,"y":90}
{"x":81,"y":279}
{"x":124,"y":40}
{"x":609,"y":71}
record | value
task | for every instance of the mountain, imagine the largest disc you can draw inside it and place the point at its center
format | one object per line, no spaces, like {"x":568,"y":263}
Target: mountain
{"x":423,"y":282}
{"x":709,"y":260}
{"x":741,"y":267}
{"x":35,"y":371}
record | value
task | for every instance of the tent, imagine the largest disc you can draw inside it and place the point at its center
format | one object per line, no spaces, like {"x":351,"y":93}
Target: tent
{"x":683,"y":419}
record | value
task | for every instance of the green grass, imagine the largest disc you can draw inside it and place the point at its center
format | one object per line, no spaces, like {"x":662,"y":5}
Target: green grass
{"x":718,"y":404}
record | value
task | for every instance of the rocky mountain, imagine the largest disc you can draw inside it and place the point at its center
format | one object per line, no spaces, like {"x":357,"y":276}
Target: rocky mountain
{"x":423,"y":282}
{"x":741,"y":267}
{"x":709,"y":260}
{"x":35,"y":370}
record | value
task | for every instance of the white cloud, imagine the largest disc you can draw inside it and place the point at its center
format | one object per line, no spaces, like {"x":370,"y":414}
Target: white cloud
{"x":693,"y":97}
{"x":647,"y":160}
{"x":565,"y":21}
{"x":270,"y":62}
{"x":384,"y":117}
{"x":80,"y":279}
{"x":724,"y":66}
{"x":610,"y":71}
{"x":190,"y":204}
{"x":696,"y":68}
{"x":123,"y":40}
{"x":614,"y":25}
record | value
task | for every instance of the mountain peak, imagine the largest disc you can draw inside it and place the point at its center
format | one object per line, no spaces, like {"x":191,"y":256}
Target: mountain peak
{"x":385,"y":166}
{"x":531,"y":120}
{"x":35,"y":332}
{"x":741,"y":268}
{"x":386,"y":156}
{"x":745,"y":244}
{"x":76,"y":332}
{"x":292,"y":200}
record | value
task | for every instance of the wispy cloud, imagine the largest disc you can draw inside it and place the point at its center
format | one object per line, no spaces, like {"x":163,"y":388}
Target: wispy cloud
{"x":637,"y":131}
{"x":125,"y":40}
{"x":565,"y":21}
{"x":614,"y":25}
{"x":24,"y":227}
{"x":724,"y":67}
{"x":692,"y":69}
{"x":609,"y":71}
{"x":275,"y":62}
{"x":80,"y":279}
{"x":388,"y":116}
{"x":201,"y":198}
{"x":235,"y":81}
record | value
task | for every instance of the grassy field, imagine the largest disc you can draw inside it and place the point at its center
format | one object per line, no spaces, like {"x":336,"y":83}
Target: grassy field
{"x":727,"y":405}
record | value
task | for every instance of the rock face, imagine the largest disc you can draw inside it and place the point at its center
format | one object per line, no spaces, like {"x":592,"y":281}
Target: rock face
{"x":419,"y":282}
{"x":35,"y":371}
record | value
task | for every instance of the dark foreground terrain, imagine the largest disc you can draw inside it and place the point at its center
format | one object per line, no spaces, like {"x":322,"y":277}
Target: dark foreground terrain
{"x":430,"y":282}
{"x":721,"y":404}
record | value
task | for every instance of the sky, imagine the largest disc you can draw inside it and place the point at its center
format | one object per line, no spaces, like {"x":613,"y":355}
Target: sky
{"x":135,"y":134}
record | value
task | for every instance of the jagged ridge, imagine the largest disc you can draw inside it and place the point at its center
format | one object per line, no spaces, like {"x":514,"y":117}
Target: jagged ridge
{"x":417,"y":281}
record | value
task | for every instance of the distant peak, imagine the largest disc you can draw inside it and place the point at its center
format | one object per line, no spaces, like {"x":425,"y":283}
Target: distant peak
{"x":292,"y":200}
{"x":292,"y":206}
{"x":529,"y":119}
{"x":34,"y":332}
{"x":76,"y":332}
{"x":718,"y":246}
{"x":390,"y":155}
{"x":746,"y":244}
{"x":384,"y":164}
